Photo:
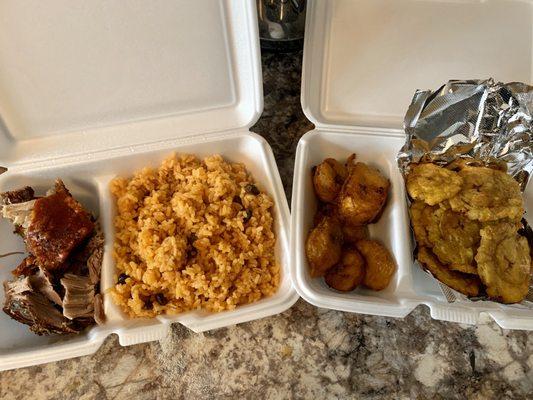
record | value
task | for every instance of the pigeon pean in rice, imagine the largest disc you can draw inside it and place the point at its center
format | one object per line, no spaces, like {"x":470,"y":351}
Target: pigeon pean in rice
{"x":192,"y":234}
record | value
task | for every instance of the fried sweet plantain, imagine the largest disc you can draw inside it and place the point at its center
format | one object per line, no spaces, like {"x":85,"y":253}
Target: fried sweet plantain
{"x":328,"y":178}
{"x":363,"y":195}
{"x":432,"y":184}
{"x":468,"y":285}
{"x":504,"y":262}
{"x":488,"y":195}
{"x":350,"y":161}
{"x":324,"y":210}
{"x":348,"y":273}
{"x":353,"y":234}
{"x":380,"y":266}
{"x":323,"y":246}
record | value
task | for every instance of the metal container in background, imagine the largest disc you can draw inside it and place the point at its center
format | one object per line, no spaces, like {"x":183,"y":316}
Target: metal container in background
{"x":281,"y":24}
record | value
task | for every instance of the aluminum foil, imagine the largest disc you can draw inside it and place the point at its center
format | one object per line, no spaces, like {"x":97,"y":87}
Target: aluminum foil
{"x":477,"y":119}
{"x":485,"y":120}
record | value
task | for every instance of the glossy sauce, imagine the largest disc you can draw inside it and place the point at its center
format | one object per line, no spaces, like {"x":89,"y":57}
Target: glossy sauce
{"x":59,"y":224}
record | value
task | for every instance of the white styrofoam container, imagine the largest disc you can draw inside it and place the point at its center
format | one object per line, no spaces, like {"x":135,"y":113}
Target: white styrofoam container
{"x":363,"y":60}
{"x":93,"y":90}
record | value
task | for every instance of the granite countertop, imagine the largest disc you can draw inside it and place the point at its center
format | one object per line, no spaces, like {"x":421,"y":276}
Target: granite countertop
{"x":304,"y":353}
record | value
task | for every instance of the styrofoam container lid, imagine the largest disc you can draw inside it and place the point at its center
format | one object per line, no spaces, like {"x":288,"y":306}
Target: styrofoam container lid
{"x":363,"y":61}
{"x":78,"y":77}
{"x":94,"y":90}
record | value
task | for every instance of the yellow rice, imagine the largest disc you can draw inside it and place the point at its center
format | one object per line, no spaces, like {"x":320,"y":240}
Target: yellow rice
{"x":191,"y":232}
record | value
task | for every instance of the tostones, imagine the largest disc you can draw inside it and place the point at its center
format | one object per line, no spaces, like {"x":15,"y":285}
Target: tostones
{"x":504,"y":262}
{"x":432,"y":184}
{"x":488,"y":195}
{"x":454,"y":239}
{"x":468,"y":285}
{"x":421,"y":219}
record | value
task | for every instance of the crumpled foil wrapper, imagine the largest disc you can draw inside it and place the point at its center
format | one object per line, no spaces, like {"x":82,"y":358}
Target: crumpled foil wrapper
{"x":474,"y":119}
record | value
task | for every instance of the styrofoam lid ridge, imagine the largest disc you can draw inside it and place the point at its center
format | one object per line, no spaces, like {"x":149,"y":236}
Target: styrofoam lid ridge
{"x":88,"y":76}
{"x":364,"y":59}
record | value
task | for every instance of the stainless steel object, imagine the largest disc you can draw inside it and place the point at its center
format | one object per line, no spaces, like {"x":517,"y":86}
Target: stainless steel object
{"x":281,"y":24}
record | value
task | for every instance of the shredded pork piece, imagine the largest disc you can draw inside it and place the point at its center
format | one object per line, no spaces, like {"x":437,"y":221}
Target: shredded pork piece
{"x":79,"y":296}
{"x":99,"y":315}
{"x":53,"y":290}
{"x":17,"y":196}
{"x":33,"y":309}
{"x":41,"y":281}
{"x":19,"y":213}
{"x":94,"y":262}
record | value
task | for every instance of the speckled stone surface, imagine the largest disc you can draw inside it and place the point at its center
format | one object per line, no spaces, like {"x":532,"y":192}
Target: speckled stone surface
{"x":304,"y":353}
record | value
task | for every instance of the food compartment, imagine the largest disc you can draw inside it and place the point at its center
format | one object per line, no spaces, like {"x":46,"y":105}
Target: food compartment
{"x":357,"y":99}
{"x":15,"y":335}
{"x":181,"y":103}
{"x":246,"y":148}
{"x":88,"y":178}
{"x":411,"y":286}
{"x":392,"y":229}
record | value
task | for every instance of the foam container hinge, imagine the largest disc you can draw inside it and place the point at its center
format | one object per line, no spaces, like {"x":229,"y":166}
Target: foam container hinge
{"x":363,"y":61}
{"x":127,"y":85}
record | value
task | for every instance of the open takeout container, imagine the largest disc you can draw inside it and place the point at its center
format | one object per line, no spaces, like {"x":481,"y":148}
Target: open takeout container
{"x":363,"y":61}
{"x":89,"y":91}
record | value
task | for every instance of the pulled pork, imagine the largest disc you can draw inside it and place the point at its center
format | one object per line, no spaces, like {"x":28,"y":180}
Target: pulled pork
{"x":55,"y":289}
